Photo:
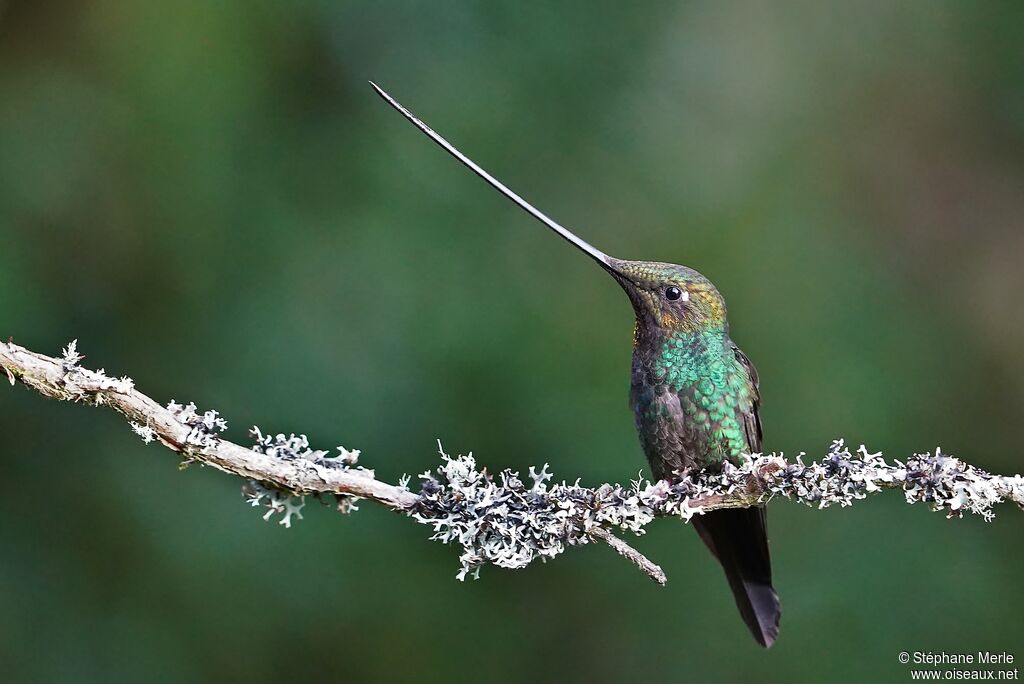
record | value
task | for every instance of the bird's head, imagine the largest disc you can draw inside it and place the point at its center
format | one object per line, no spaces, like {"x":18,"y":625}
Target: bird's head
{"x":668,"y":296}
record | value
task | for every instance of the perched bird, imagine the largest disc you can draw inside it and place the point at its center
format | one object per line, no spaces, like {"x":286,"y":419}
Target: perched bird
{"x":694,"y":396}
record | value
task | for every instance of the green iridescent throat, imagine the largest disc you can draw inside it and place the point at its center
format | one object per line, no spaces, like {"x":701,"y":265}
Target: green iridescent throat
{"x":702,"y":369}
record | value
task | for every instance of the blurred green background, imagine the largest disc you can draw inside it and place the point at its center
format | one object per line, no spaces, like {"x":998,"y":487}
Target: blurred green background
{"x":212,"y":200}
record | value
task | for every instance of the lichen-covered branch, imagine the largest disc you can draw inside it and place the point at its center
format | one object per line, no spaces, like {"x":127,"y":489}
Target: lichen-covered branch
{"x":500,"y":519}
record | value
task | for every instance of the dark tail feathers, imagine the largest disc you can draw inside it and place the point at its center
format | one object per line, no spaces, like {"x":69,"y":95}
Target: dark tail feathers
{"x":739,"y":539}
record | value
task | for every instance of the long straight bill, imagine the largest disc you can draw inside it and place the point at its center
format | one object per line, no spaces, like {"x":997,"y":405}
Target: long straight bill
{"x":594,"y":252}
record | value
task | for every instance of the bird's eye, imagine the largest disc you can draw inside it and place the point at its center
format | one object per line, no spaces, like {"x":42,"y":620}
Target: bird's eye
{"x":673,"y":293}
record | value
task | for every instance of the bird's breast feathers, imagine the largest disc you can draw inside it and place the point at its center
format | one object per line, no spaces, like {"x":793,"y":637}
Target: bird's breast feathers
{"x":695,"y":403}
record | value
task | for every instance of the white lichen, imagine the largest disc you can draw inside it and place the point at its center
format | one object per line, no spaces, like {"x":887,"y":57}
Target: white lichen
{"x":147,"y":433}
{"x":293,"y":447}
{"x":276,"y":501}
{"x":75,"y":378}
{"x":348,"y":457}
{"x":203,"y":428}
{"x":70,"y":356}
{"x":289,"y":447}
{"x":504,"y":522}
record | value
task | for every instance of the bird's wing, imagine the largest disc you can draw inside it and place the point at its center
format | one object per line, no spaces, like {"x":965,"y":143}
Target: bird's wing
{"x":751,"y":417}
{"x":739,"y":538}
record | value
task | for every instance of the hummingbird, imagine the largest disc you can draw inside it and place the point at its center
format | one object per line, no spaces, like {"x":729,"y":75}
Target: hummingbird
{"x":694,"y":395}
